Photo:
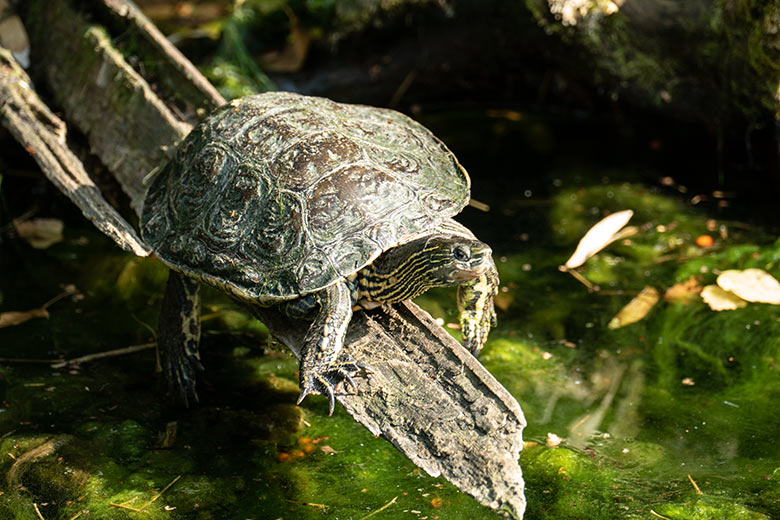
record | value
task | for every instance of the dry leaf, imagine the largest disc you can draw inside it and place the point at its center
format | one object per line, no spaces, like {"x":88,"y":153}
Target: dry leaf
{"x":40,"y":233}
{"x":553,"y":440}
{"x":503,"y":300}
{"x":720,"y":300}
{"x":598,"y":237}
{"x":683,"y":292}
{"x":327,"y":449}
{"x":753,"y":285}
{"x":11,"y":318}
{"x":636,"y":309}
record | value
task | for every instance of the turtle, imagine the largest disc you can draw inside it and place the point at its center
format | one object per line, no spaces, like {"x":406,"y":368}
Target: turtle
{"x":320,"y":209}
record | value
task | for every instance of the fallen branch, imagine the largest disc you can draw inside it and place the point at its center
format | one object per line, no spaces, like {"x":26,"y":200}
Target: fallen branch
{"x":43,"y":136}
{"x":103,"y":355}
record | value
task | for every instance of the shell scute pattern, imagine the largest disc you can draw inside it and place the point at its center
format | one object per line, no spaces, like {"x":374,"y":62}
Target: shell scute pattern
{"x":316,"y":270}
{"x":304,"y":163}
{"x":278,"y":195}
{"x":275,"y":242}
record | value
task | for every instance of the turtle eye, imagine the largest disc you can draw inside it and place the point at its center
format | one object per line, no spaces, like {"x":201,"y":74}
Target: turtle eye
{"x":461,"y":253}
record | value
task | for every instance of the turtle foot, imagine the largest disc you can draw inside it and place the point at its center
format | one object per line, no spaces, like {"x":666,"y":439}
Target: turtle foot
{"x":326,"y":381}
{"x":477,"y":311}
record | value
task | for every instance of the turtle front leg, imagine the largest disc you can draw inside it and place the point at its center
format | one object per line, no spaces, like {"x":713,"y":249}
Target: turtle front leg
{"x":178,"y":336}
{"x":477,"y":312}
{"x":319,"y":370}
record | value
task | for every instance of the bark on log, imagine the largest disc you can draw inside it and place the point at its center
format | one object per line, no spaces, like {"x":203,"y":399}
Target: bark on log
{"x":429,"y":396}
{"x":42,"y":134}
{"x":128,"y":126}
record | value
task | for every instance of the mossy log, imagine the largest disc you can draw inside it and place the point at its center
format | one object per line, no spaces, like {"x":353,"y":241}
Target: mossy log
{"x":428,"y":396}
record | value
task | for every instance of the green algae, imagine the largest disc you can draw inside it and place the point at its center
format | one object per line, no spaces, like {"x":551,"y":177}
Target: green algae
{"x":633,"y":430}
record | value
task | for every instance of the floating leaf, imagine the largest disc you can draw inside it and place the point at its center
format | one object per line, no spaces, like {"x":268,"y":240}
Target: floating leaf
{"x":553,"y":440}
{"x":40,"y":233}
{"x":683,"y":292}
{"x":636,"y":309}
{"x":753,"y":285}
{"x":12,"y":318}
{"x":720,"y":300}
{"x":598,"y":237}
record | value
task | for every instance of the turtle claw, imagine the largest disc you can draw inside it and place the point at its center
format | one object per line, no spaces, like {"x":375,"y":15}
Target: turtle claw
{"x":318,"y":385}
{"x":326,"y":381}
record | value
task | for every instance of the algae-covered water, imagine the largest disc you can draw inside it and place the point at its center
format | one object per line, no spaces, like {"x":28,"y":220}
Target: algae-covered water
{"x":675,"y":416}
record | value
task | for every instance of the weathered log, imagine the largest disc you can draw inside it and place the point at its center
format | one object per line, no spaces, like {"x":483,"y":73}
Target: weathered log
{"x":42,"y":134}
{"x":428,"y":396}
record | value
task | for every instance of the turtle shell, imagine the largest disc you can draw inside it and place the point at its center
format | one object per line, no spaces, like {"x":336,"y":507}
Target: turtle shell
{"x":277,"y":195}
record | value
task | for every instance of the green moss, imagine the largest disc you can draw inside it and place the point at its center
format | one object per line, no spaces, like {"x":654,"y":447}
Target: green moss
{"x":730,"y":61}
{"x":708,"y":509}
{"x":127,"y":440}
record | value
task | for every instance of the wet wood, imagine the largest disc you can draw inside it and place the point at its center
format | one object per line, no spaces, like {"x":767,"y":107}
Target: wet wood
{"x":127,"y":124}
{"x":43,"y":135}
{"x":432,"y":399}
{"x":428,"y":396}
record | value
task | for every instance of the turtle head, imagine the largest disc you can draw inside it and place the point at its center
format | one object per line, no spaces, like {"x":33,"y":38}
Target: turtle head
{"x":454,"y":260}
{"x":408,"y":270}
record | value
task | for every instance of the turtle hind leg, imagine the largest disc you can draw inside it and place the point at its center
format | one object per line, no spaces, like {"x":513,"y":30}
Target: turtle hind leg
{"x":320,"y":372}
{"x":178,"y":336}
{"x":477,"y":312}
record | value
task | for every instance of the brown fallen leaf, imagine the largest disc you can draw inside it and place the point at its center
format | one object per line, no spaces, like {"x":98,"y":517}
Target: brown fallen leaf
{"x":636,"y":309}
{"x":721,"y":300}
{"x":12,"y":318}
{"x":40,"y":233}
{"x":327,"y":449}
{"x":683,"y":292}
{"x":753,"y":285}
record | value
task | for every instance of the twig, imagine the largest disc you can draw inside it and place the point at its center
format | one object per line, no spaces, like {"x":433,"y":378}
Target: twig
{"x":659,"y":516}
{"x":122,"y":506}
{"x":369,"y":515}
{"x":584,"y":281}
{"x":479,"y":205}
{"x":158,"y":495}
{"x":402,"y":88}
{"x":312,"y":504}
{"x":127,"y":502}
{"x":74,"y":517}
{"x":38,"y":511}
{"x":698,"y":491}
{"x":101,"y":355}
{"x":32,"y":361}
{"x":69,"y":290}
